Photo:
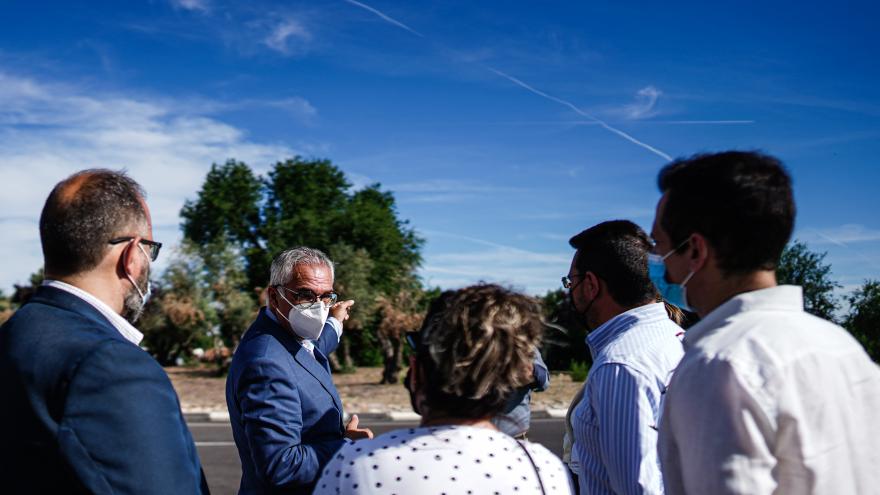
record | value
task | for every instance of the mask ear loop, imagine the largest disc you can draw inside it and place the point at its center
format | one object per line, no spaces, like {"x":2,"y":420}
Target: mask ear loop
{"x":285,"y":300}
{"x":125,"y":269}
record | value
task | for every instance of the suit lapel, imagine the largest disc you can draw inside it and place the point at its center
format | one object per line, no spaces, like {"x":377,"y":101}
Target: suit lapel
{"x":302,"y":357}
{"x":315,"y":369}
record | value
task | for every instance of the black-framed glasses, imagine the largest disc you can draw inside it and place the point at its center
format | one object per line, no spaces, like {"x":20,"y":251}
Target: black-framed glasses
{"x":154,"y":246}
{"x":307,"y":299}
{"x":568,"y":283}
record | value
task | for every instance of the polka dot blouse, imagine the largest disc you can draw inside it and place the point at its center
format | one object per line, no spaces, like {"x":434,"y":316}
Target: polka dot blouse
{"x":448,"y":460}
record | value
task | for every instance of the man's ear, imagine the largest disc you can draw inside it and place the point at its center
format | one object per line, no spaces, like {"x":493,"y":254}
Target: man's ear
{"x":128,"y":260}
{"x":700,"y":250}
{"x":592,"y":285}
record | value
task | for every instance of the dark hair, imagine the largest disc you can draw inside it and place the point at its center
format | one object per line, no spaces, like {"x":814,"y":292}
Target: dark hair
{"x":477,"y":348}
{"x":617,"y":252}
{"x":83,"y":213}
{"x":741,"y":202}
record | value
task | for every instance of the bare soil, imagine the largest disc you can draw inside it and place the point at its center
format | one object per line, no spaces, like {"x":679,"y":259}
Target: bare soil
{"x":201,"y":390}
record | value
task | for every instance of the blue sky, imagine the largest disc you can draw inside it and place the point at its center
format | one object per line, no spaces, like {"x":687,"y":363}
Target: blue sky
{"x":502,"y":127}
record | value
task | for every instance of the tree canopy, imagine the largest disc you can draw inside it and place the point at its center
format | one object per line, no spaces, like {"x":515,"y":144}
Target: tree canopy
{"x":300,"y":203}
{"x":800,"y":266}
{"x":863,"y":318}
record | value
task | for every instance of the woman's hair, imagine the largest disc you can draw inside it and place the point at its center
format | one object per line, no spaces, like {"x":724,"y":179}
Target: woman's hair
{"x":674,"y":312}
{"x":478,"y":346}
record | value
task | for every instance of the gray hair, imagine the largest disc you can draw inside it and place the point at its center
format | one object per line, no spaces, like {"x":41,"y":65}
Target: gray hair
{"x":285,"y":263}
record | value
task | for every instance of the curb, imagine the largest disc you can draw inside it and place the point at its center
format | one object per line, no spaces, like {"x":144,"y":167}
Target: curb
{"x":393,"y":416}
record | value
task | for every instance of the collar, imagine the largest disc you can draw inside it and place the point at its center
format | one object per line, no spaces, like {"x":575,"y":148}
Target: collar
{"x":122,"y":325}
{"x":779,"y":298}
{"x":599,"y":338}
{"x":307,"y":344}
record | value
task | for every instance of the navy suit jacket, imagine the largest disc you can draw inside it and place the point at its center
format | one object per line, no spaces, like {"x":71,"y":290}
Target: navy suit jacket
{"x":286,"y":414}
{"x":86,"y":411}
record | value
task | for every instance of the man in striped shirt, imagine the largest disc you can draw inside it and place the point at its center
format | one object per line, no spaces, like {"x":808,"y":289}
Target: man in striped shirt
{"x":635,"y":347}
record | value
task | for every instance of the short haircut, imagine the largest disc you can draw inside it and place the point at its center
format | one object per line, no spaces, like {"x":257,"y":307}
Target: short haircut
{"x":741,"y":202}
{"x":478,"y":346}
{"x":284,"y":265}
{"x":617,"y":252}
{"x":83,"y":213}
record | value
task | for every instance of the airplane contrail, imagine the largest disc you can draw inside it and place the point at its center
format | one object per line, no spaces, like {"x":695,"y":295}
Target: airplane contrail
{"x":385,"y":17}
{"x":518,"y":82}
{"x":574,"y":107}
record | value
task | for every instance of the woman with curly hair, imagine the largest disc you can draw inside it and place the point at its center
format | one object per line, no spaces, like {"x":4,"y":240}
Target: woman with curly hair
{"x":473,"y":350}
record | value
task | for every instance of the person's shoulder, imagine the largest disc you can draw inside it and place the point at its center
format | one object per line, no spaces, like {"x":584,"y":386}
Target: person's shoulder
{"x":259,"y":343}
{"x":554,"y":474}
{"x":122,"y":358}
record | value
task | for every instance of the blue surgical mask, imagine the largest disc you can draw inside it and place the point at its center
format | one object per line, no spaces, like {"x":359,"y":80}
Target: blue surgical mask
{"x":674,"y":293}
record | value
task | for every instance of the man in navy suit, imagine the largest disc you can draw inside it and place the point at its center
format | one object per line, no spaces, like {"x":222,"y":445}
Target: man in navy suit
{"x":86,"y":410}
{"x":286,"y":414}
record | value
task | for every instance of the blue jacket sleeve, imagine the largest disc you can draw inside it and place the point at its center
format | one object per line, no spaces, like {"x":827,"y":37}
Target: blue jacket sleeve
{"x":329,"y":339}
{"x":542,"y":375}
{"x":122,"y":430}
{"x":271,"y":412}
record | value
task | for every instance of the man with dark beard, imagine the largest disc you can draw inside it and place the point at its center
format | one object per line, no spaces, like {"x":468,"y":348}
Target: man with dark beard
{"x":87,"y":410}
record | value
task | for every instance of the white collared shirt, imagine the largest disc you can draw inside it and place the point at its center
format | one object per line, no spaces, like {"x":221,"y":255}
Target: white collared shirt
{"x":122,"y":325}
{"x":770,"y":399}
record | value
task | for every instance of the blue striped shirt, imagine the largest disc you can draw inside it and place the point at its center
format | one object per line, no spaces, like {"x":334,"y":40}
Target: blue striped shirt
{"x":615,"y":425}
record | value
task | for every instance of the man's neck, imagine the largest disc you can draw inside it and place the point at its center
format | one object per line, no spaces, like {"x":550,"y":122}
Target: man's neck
{"x":94,"y":285}
{"x":610,"y":309}
{"x":730,"y":286}
{"x":443,"y":420}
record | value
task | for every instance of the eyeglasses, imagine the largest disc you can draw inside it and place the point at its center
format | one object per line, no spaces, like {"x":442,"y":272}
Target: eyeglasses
{"x":307,"y":299}
{"x":153,"y":245}
{"x":568,"y":283}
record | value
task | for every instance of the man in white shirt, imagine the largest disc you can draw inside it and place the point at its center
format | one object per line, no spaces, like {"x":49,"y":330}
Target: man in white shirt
{"x":767,"y":399}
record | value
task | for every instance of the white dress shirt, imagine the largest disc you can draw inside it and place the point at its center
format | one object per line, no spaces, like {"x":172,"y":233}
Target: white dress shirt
{"x":122,"y":325}
{"x":770,"y":399}
{"x":455,"y":460}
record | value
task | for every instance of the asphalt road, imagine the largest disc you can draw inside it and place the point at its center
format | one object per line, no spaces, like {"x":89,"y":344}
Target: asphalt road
{"x":222,"y":467}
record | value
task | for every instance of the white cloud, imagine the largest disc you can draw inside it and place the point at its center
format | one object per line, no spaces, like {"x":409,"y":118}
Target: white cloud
{"x":644,"y":104}
{"x":193,"y":5}
{"x":841,"y":235}
{"x":446,"y":191}
{"x":48,"y":131}
{"x":530,"y":271}
{"x":288,"y":37}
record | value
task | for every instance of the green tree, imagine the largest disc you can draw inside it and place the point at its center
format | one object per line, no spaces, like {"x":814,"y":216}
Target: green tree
{"x":353,"y":270}
{"x":22,"y":293}
{"x":370,"y":222}
{"x":6,"y":309}
{"x":300,"y":203}
{"x":863,"y":318}
{"x":178,"y":316}
{"x":222,"y":276}
{"x":564,"y":336}
{"x":228,"y":211}
{"x":308,"y":203}
{"x":800,"y":266}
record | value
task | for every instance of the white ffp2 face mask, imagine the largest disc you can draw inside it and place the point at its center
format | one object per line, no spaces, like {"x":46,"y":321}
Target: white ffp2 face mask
{"x":307,"y":323}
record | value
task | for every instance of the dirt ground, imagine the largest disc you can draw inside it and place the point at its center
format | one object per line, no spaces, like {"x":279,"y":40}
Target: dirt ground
{"x":200,"y":390}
